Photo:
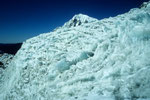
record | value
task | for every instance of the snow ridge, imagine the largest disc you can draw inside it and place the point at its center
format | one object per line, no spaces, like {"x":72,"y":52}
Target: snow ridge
{"x":79,"y":19}
{"x":86,"y":59}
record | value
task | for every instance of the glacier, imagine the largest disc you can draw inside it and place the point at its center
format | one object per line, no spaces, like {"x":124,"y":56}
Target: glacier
{"x":85,"y":59}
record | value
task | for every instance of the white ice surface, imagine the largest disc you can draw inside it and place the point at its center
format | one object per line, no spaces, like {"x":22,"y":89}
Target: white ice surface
{"x":86,"y":59}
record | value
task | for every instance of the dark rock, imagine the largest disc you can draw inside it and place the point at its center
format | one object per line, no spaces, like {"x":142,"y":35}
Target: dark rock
{"x":2,"y":65}
{"x":10,"y":48}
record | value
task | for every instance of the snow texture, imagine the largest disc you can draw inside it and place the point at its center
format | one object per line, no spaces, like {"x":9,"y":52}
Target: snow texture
{"x":5,"y":59}
{"x":86,"y":59}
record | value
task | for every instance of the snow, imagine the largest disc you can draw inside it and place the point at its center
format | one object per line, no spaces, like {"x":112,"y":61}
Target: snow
{"x":79,"y":19}
{"x":5,"y":59}
{"x":85,"y":59}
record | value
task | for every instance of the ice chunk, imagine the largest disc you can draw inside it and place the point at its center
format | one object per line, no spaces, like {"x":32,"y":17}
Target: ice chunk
{"x":141,"y":32}
{"x":63,"y":65}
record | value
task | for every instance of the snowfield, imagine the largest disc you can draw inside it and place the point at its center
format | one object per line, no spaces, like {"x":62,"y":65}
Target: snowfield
{"x":85,"y":59}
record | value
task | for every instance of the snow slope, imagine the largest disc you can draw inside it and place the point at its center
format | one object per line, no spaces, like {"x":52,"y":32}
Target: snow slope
{"x":86,"y":59}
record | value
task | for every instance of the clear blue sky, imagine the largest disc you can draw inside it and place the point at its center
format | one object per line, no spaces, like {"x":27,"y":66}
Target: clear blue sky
{"x":23,"y":19}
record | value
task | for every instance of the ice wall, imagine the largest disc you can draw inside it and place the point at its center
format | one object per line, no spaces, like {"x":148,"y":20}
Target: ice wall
{"x":86,"y":59}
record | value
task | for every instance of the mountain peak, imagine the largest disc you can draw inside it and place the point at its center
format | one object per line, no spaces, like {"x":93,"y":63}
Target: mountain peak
{"x":79,"y":19}
{"x":145,"y":4}
{"x":80,"y":16}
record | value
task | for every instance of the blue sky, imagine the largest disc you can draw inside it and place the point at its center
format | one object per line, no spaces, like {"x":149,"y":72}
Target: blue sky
{"x":23,"y":19}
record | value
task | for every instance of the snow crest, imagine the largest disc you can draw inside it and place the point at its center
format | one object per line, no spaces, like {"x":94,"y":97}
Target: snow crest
{"x":86,"y":59}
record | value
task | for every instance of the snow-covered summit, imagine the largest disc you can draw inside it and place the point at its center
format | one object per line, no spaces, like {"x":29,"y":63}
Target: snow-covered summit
{"x":145,"y":5}
{"x":86,"y":59}
{"x":79,"y":19}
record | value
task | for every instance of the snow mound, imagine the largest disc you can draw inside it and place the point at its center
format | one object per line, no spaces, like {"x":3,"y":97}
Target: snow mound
{"x":86,"y":59}
{"x":78,"y":20}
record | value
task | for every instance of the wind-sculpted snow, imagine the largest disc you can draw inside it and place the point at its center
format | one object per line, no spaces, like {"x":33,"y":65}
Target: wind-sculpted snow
{"x":86,"y":59}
